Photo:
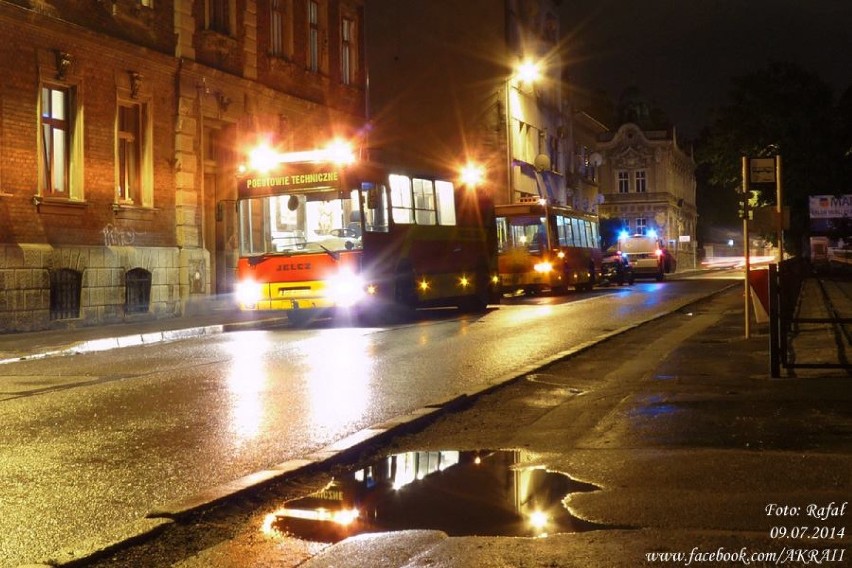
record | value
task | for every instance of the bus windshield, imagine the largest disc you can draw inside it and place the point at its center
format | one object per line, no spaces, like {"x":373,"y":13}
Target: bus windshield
{"x":301,"y":222}
{"x":521,"y":231}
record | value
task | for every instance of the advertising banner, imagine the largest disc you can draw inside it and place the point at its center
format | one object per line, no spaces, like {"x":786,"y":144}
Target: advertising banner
{"x":831,"y":228}
{"x":830,"y":206}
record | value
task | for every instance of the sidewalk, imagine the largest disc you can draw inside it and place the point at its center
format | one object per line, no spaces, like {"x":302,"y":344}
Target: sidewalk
{"x":207,"y":318}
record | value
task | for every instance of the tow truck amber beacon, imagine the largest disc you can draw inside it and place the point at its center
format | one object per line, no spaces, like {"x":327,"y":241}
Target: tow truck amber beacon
{"x":320,"y":231}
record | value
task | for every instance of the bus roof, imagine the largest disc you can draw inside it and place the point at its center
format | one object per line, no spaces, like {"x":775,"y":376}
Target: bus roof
{"x":537,"y":208}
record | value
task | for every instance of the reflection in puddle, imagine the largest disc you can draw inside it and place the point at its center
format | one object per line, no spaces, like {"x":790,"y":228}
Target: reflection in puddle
{"x":461,"y":493}
{"x":654,"y":406}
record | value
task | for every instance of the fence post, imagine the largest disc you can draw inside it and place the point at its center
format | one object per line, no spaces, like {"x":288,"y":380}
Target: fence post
{"x":774,"y":324}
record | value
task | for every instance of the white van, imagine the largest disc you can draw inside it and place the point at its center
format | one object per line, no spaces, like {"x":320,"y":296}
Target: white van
{"x":645,"y":254}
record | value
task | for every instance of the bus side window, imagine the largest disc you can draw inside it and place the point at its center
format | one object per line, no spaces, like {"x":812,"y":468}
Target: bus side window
{"x":561,"y":230}
{"x":401,"y":202}
{"x":590,"y":234}
{"x":446,"y":206}
{"x":375,"y":208}
{"x":424,"y":202}
{"x":502,"y":235}
{"x":575,"y":232}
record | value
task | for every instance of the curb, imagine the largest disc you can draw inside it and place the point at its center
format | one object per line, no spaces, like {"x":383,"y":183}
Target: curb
{"x":149,"y":338}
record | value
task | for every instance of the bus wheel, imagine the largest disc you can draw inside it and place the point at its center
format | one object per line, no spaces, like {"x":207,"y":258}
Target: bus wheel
{"x":405,"y":295}
{"x":299,"y":318}
{"x":478,"y":301}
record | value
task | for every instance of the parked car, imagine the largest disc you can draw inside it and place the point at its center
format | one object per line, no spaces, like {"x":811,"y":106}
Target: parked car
{"x":616,"y":269}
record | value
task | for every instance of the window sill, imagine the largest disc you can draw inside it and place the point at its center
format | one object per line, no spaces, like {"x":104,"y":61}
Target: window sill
{"x":217,"y":42}
{"x":59,"y":206}
{"x":133,"y":212}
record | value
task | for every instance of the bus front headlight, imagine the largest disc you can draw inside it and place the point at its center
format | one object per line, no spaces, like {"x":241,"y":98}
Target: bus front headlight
{"x":543,"y":267}
{"x":249,"y":293}
{"x":345,"y":288}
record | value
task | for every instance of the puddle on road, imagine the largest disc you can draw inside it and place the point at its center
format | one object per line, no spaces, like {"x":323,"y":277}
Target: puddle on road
{"x":486,"y":493}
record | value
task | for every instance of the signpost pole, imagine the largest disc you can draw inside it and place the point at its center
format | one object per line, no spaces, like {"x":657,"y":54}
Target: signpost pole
{"x":746,"y":248}
{"x":779,"y":207}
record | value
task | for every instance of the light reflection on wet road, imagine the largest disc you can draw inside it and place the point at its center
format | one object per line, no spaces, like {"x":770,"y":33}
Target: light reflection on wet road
{"x":144,"y":426}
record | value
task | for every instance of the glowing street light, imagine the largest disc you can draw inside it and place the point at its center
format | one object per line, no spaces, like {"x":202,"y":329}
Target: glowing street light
{"x":472,"y":174}
{"x":528,"y":72}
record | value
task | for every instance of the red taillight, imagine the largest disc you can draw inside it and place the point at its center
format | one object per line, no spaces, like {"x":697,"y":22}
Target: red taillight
{"x":658,"y":252}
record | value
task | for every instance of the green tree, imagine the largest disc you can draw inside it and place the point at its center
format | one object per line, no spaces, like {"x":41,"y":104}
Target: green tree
{"x":780,"y":109}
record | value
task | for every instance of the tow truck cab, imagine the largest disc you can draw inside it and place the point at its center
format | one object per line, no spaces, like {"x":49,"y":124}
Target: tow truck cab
{"x":645,"y":253}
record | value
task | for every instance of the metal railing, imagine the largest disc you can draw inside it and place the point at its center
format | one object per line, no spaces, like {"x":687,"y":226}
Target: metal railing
{"x":786,"y":281}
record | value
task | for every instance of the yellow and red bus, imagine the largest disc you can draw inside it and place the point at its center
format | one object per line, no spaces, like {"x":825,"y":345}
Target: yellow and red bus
{"x":320,"y":231}
{"x":546,"y":247}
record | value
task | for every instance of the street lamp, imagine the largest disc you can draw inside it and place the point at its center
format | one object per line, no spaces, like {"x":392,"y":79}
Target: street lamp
{"x":472,"y":174}
{"x":528,"y":71}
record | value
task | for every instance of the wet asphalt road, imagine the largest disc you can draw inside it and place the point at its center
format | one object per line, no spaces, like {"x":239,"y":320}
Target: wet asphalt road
{"x":93,"y":442}
{"x":680,"y":437}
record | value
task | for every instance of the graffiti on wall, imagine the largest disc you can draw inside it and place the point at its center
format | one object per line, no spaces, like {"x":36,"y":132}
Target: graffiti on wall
{"x":117,"y":237}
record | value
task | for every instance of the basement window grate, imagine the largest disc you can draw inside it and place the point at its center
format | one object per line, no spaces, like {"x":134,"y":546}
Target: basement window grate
{"x":137,"y":291}
{"x":65,"y":287}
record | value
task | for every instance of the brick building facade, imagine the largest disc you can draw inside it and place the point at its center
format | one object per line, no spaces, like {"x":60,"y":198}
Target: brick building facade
{"x":122,"y":123}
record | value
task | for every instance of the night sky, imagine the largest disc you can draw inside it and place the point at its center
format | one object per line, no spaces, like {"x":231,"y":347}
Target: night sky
{"x":682,"y":54}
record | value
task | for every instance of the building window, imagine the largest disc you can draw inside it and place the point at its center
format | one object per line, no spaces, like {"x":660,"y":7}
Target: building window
{"x":623,"y":182}
{"x":641,"y":226}
{"x":278,"y":29}
{"x":56,"y":122}
{"x":347,"y":51}
{"x":313,"y":36}
{"x":641,"y":185}
{"x":129,"y":150}
{"x":219,"y":16}
{"x":134,"y":172}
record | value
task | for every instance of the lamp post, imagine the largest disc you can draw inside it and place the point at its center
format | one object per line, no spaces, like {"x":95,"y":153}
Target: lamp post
{"x":509,"y":160}
{"x":528,"y":72}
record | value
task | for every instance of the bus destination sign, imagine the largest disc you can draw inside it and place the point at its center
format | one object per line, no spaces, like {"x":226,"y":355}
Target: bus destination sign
{"x":284,"y":182}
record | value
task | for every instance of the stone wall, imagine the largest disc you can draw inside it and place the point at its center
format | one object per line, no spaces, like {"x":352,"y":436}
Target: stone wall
{"x":25,"y":284}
